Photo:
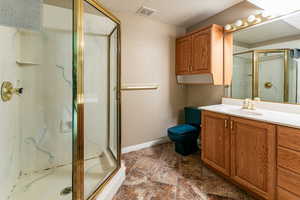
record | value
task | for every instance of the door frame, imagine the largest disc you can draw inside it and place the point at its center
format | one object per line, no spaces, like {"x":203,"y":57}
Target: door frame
{"x":78,"y":99}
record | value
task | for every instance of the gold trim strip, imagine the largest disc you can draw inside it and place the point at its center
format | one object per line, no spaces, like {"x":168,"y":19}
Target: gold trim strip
{"x":261,"y":51}
{"x":286,"y":76}
{"x":78,"y":123}
{"x":255,"y":76}
{"x":103,"y":10}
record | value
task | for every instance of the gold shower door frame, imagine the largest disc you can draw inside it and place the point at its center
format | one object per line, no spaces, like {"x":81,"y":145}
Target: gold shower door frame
{"x":78,"y":98}
{"x":255,"y":70}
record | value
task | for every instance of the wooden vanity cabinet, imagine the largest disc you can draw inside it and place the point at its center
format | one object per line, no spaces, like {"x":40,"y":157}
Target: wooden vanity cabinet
{"x":253,"y":156}
{"x":201,"y":52}
{"x":288,"y":163}
{"x":248,"y":159}
{"x":216,"y":141}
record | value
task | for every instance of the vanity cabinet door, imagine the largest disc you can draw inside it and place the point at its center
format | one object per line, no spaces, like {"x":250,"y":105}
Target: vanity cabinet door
{"x":183,"y":55}
{"x":215,"y":139}
{"x":253,"y":156}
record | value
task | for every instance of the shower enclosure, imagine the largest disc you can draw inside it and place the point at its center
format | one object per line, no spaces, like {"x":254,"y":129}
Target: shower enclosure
{"x":270,"y":74}
{"x":60,"y":101}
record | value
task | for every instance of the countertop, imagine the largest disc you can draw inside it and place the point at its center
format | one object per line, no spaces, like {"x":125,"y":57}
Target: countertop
{"x":264,"y":115}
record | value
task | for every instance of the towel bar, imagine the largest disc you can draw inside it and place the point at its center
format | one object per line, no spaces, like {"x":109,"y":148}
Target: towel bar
{"x":145,"y":87}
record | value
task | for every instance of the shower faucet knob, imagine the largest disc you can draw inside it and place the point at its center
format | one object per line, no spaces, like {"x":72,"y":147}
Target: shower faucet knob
{"x":7,"y":91}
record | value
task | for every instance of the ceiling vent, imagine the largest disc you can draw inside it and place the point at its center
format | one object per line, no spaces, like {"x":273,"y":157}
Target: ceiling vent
{"x":145,"y":11}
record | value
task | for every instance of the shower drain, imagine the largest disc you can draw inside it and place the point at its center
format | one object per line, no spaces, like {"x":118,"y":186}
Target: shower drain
{"x":66,"y":191}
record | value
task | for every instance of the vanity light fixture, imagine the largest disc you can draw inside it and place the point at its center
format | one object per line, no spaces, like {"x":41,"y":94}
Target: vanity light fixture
{"x":253,"y":20}
{"x":272,"y":10}
{"x":249,"y":21}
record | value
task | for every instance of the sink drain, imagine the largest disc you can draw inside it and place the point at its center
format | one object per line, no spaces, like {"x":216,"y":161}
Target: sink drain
{"x":66,"y":191}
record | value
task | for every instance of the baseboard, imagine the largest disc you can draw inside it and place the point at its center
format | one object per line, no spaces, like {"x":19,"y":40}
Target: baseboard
{"x":113,"y":186}
{"x":145,"y":145}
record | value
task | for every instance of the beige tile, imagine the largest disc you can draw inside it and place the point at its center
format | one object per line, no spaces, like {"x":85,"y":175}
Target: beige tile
{"x":159,"y":173}
{"x":147,"y":191}
{"x":164,"y":174}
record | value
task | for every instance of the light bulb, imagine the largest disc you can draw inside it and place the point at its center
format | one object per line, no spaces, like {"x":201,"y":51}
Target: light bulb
{"x":228,"y":27}
{"x":239,"y":23}
{"x":251,"y":18}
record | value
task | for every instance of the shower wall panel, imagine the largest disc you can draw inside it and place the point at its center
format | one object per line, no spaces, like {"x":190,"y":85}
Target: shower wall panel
{"x":9,"y":119}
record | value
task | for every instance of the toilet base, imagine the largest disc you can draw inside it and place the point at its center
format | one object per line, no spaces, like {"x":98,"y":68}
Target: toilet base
{"x":186,"y":148}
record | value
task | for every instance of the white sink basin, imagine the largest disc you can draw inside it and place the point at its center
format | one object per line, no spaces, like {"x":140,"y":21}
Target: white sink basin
{"x":246,"y":112}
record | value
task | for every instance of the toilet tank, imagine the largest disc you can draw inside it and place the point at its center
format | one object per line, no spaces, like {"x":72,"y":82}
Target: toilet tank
{"x":192,"y":116}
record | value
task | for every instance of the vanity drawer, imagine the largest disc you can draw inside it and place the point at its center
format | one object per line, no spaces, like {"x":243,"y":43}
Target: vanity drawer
{"x":288,"y":159}
{"x":288,"y":137}
{"x":282,"y":194}
{"x":289,"y":180}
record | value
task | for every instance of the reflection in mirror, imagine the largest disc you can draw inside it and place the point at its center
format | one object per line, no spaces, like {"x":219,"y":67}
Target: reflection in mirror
{"x":241,"y":86}
{"x":266,"y":62}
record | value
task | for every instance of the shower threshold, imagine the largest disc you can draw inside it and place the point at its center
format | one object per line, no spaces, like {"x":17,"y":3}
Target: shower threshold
{"x":49,"y":184}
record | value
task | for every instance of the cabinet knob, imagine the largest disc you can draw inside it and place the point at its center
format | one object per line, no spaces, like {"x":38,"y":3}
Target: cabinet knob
{"x":226,"y":123}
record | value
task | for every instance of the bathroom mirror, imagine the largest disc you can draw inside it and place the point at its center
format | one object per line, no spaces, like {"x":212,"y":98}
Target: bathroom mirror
{"x":266,"y":61}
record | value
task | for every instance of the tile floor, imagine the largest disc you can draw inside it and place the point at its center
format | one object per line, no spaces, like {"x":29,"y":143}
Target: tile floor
{"x":159,"y":173}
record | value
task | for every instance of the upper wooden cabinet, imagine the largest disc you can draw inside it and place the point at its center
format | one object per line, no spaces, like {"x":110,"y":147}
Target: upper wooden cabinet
{"x":183,"y":55}
{"x":201,"y":52}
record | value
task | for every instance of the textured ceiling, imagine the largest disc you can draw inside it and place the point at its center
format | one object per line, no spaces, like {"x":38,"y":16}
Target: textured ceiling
{"x":177,"y":12}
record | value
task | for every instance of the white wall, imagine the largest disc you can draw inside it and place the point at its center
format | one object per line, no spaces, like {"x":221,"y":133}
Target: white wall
{"x":148,"y":56}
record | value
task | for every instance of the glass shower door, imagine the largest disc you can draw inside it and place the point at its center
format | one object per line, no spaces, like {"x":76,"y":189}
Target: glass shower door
{"x":113,"y":93}
{"x":100,"y":98}
{"x":241,"y":86}
{"x":271,"y":76}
